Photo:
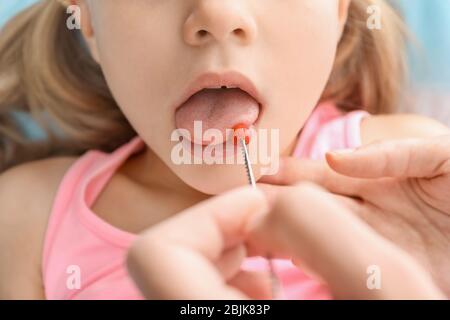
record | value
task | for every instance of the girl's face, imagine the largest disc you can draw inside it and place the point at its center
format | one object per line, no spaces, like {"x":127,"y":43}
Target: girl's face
{"x":152,"y":51}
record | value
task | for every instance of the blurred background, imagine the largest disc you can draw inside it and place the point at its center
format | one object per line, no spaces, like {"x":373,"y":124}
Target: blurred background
{"x":429,"y":56}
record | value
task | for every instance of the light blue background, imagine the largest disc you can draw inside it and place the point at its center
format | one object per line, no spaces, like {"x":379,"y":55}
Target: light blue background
{"x":9,"y":7}
{"x":429,"y":22}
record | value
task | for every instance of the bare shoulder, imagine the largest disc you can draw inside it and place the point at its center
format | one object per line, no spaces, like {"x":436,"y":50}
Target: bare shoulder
{"x":400,"y":126}
{"x":26,"y":197}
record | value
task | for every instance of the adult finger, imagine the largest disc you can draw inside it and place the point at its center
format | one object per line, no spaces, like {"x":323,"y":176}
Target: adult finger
{"x":412,"y":158}
{"x":185,"y":248}
{"x":337,"y":246}
{"x":255,"y":285}
{"x":230,"y":262}
{"x":292,"y":171}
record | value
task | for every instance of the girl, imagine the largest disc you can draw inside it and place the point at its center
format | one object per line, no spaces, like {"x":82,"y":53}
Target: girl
{"x":113,"y":92}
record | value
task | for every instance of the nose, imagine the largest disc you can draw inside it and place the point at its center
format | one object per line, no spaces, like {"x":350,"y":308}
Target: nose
{"x":219,"y":21}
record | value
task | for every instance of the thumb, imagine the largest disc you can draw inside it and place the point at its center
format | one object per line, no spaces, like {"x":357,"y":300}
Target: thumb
{"x":191,"y":243}
{"x":308,"y":224}
{"x":412,"y":158}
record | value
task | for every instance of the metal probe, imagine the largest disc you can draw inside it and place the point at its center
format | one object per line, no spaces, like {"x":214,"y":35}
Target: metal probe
{"x":275,"y":283}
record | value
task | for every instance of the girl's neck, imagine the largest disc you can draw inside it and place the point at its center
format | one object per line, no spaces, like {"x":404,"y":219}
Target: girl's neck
{"x":148,"y":170}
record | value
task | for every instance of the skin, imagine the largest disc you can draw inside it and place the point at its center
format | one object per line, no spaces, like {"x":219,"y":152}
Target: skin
{"x":241,"y":36}
{"x":122,"y":38}
{"x":400,"y":188}
{"x":287,"y":228}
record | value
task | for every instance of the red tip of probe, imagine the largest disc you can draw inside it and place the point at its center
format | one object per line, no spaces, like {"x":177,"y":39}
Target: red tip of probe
{"x":241,"y":131}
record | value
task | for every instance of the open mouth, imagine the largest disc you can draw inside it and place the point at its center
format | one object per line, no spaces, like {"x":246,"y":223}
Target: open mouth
{"x":218,"y":102}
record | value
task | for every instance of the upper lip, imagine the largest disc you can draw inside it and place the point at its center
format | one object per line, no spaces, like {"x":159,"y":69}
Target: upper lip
{"x":230,"y":79}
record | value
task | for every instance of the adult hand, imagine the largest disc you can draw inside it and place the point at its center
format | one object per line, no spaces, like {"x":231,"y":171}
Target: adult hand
{"x":400,"y":188}
{"x":198,"y":253}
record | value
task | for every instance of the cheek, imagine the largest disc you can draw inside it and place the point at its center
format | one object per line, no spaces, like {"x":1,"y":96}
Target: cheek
{"x":137,"y":73}
{"x":302,"y":47}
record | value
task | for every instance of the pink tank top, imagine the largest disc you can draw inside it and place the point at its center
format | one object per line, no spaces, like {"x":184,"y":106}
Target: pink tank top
{"x":84,"y":257}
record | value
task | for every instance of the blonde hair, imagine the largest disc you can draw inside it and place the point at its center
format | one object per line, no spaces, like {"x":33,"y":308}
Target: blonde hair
{"x":46,"y":72}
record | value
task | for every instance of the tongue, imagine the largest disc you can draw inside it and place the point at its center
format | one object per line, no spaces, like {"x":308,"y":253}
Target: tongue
{"x":219,"y":109}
